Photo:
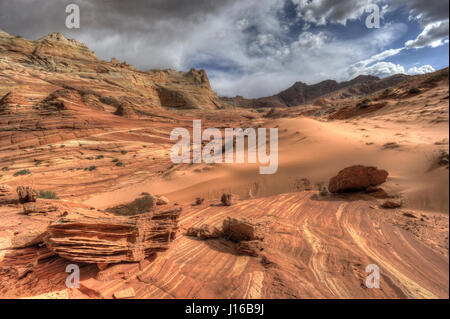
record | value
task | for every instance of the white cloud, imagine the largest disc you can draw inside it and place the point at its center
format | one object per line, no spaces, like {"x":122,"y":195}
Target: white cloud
{"x":421,"y":70}
{"x":433,"y":35}
{"x":380,"y":69}
{"x":309,"y":40}
{"x":381,"y":56}
{"x":322,"y":12}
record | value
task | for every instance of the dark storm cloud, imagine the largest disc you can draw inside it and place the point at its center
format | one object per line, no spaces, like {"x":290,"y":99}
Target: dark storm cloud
{"x":429,"y":11}
{"x":32,"y":18}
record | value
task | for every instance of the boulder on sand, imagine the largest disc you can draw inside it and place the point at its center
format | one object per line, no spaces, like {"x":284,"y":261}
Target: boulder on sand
{"x":357,"y":178}
{"x":161,"y":200}
{"x":242,"y":229}
{"x":391,"y":204}
{"x":227,"y":199}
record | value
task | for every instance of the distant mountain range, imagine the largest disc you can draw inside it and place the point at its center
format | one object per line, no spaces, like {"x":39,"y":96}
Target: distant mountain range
{"x":301,"y":93}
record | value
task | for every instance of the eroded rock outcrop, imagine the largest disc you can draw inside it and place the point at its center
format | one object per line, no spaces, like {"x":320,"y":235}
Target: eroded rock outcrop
{"x":391,"y":204}
{"x":26,"y":194}
{"x":247,"y":235}
{"x":242,"y":229}
{"x":227,"y":199}
{"x":38,"y":207}
{"x":377,"y":192}
{"x":204,"y":232}
{"x":250,"y":247}
{"x":357,"y":178}
{"x":113,"y":239}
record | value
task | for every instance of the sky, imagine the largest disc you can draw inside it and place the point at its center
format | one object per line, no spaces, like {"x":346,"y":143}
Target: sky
{"x":251,"y":48}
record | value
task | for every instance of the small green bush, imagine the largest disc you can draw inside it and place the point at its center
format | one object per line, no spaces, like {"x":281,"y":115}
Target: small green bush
{"x":124,"y":152}
{"x":414,"y":90}
{"x":138,"y":206}
{"x":22,"y":172}
{"x":90,"y":168}
{"x":364,"y":104}
{"x":5,"y":169}
{"x":99,"y":157}
{"x":120,"y":164}
{"x":115,"y":160}
{"x":47,"y":195}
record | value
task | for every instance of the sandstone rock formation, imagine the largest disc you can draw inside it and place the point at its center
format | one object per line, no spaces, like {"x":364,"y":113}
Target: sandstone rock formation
{"x":4,"y":189}
{"x":390,"y":204}
{"x":227,"y":199}
{"x":204,"y":232}
{"x":376,"y":192}
{"x":112,"y":239}
{"x":246,"y":234}
{"x":26,"y":194}
{"x":242,"y":229}
{"x":125,"y":293}
{"x":251,"y":247}
{"x":38,"y":207}
{"x":357,"y":178}
{"x":161,"y":200}
{"x":199,"y":201}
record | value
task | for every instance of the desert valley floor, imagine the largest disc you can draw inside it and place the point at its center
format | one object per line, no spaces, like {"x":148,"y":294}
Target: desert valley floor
{"x":96,"y":135}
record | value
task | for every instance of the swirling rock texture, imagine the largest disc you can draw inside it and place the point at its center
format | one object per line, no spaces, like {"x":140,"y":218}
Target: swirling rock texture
{"x":88,"y":143}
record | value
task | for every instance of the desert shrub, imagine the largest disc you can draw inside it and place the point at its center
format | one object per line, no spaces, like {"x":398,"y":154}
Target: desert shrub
{"x":91,"y":168}
{"x":47,"y":195}
{"x":99,"y":157}
{"x":138,"y":206}
{"x":22,"y":172}
{"x":324,"y":191}
{"x":37,"y":163}
{"x":5,"y":169}
{"x":110,"y":101}
{"x":115,"y":160}
{"x":364,"y":104}
{"x":120,"y":164}
{"x":62,"y":146}
{"x":1,"y":175}
{"x":123,"y":152}
{"x":414,"y":90}
{"x":89,"y":158}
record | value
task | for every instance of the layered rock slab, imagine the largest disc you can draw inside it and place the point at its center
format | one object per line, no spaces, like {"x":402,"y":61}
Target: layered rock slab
{"x":112,"y":239}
